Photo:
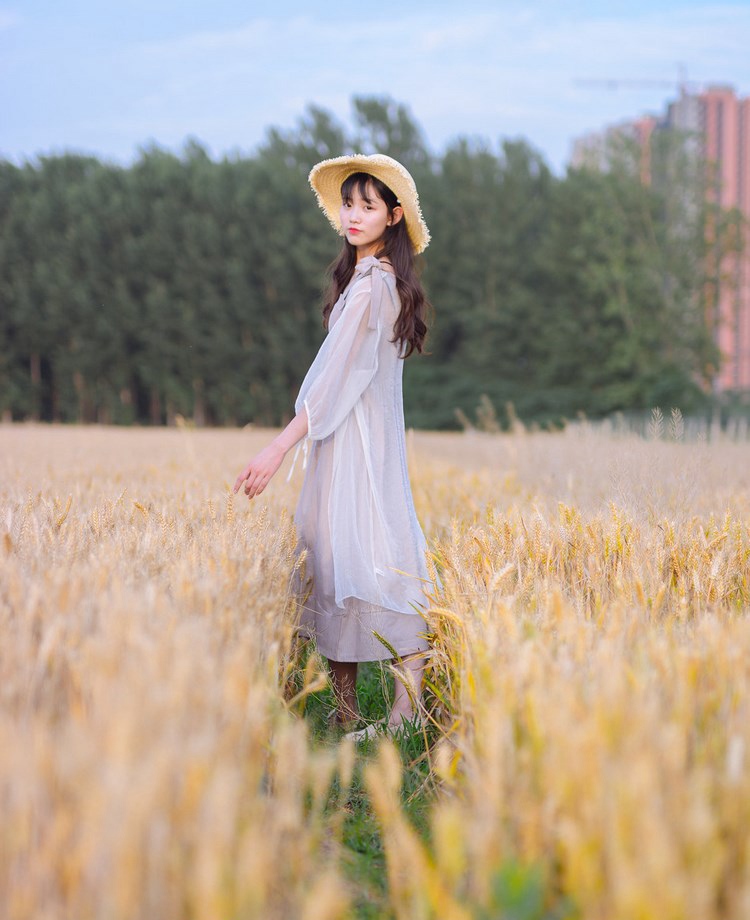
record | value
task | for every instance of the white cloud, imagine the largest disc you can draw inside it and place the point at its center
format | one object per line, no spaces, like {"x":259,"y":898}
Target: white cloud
{"x":255,"y":34}
{"x":507,"y":71}
{"x":9,"y":19}
{"x":462,"y":32}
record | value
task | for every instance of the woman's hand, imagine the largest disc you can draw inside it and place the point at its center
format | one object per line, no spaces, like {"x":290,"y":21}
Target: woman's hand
{"x":260,"y":469}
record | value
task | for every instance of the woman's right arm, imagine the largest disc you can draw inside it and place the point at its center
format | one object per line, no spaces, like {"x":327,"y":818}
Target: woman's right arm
{"x":346,"y":363}
{"x":342,"y":369}
{"x":262,"y":467}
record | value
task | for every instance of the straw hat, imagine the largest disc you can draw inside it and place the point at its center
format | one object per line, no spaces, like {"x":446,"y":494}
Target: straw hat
{"x":327,"y":177}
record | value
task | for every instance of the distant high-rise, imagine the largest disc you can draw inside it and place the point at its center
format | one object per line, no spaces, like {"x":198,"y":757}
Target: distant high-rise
{"x":716,"y":127}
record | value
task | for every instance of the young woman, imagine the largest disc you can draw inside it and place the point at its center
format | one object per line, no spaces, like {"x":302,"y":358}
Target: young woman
{"x":355,"y":516}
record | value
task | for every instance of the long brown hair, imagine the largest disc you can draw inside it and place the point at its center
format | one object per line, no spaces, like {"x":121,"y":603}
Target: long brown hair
{"x":410,"y":328}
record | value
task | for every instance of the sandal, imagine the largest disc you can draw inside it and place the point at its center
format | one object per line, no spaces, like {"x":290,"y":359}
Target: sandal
{"x":383,"y":728}
{"x":368,"y":732}
{"x":334,"y":722}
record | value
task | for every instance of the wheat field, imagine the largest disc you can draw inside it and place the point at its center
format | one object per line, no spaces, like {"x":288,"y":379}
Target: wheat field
{"x":588,"y":684}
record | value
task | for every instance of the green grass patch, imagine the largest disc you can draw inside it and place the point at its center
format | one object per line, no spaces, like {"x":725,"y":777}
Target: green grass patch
{"x":364,"y":862}
{"x":518,"y":891}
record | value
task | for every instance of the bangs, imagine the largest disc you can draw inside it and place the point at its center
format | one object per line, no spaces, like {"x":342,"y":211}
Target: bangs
{"x":360,"y":181}
{"x":366,"y":184}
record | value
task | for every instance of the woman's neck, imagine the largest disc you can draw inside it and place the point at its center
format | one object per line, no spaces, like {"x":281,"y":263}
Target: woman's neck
{"x":372,"y":250}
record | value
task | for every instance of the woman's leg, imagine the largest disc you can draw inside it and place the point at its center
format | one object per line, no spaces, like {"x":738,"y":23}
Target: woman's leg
{"x":344,"y":679}
{"x":408,"y":688}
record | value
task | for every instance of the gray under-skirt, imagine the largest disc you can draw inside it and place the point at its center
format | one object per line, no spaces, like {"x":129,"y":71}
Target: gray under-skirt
{"x":348,"y":634}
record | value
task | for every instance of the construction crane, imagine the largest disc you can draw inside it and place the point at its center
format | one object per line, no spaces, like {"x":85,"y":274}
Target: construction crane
{"x":614,"y":83}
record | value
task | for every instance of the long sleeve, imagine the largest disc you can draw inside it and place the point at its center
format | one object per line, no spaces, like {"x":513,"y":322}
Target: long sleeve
{"x":347,"y":360}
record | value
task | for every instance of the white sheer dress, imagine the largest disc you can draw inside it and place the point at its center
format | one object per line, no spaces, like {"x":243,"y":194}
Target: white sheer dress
{"x":355,"y":515}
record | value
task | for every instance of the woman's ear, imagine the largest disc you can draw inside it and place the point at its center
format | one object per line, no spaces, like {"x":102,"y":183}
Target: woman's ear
{"x":396,"y":215}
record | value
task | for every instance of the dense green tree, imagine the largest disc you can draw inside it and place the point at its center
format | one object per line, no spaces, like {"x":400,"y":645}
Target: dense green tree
{"x":182,"y":285}
{"x":488,"y":217}
{"x":385,"y":126}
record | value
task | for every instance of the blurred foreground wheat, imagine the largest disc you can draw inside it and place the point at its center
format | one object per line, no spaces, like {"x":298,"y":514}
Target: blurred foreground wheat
{"x":589,"y":683}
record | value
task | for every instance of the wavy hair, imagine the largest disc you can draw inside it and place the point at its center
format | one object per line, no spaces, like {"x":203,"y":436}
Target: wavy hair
{"x":410,"y":328}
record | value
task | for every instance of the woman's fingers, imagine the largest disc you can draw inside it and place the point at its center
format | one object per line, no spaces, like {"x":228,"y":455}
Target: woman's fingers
{"x":241,"y":478}
{"x":256,"y":483}
{"x":257,"y":474}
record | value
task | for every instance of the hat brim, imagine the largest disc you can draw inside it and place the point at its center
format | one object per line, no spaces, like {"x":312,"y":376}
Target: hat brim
{"x":327,"y":177}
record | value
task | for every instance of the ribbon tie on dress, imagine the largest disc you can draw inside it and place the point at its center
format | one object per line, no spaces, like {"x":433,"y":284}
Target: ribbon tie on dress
{"x":301,"y":446}
{"x":364,"y":267}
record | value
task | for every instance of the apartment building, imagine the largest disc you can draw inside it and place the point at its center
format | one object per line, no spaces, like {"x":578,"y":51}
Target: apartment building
{"x":714,"y":124}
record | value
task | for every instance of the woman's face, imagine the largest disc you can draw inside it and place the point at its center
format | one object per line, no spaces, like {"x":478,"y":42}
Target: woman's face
{"x":364,"y":219}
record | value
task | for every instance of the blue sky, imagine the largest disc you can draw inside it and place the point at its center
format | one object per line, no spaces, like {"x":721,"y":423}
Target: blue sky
{"x":106,"y":77}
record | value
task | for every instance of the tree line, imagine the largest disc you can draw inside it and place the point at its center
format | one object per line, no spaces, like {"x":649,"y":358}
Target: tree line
{"x":182,"y":285}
